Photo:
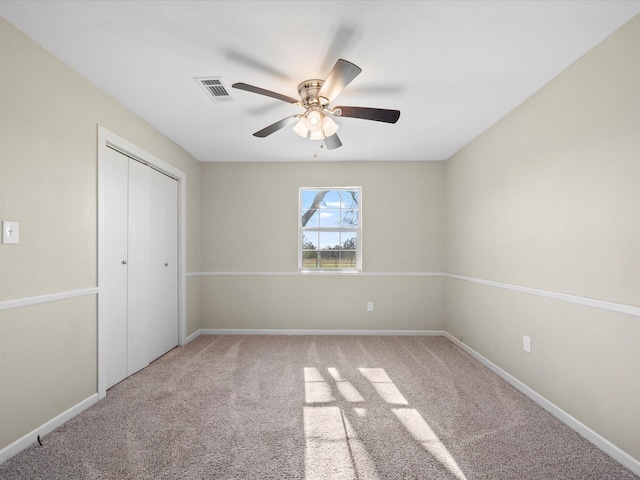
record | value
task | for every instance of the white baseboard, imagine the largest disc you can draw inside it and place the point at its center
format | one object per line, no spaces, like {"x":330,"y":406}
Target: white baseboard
{"x":598,"y":440}
{"x":269,"y":331}
{"x":193,"y":336}
{"x":31,"y":437}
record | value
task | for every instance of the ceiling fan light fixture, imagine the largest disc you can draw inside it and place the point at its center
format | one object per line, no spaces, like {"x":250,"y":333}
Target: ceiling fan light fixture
{"x":314,"y":121}
{"x":301,"y":127}
{"x":329,"y":127}
{"x":317,"y":135}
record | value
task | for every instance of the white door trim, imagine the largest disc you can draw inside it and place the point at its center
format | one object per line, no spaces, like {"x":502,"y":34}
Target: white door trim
{"x":107,"y":139}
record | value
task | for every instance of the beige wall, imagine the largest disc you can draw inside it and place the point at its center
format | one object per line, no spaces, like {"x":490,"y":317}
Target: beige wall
{"x":249,"y":224}
{"x":48,"y":164}
{"x":48,"y":354}
{"x":549,"y":198}
{"x":315,"y":302}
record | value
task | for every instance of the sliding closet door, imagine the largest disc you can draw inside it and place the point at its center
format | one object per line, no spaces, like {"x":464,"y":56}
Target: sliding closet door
{"x":138,"y":291}
{"x":113,"y":287}
{"x":170,"y":290}
{"x":139,"y":278}
{"x":163,"y":335}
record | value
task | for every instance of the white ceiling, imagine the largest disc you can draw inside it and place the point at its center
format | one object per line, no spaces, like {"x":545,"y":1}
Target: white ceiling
{"x":453,"y":68}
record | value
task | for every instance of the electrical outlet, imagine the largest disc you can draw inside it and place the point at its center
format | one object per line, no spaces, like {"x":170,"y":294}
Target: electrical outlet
{"x":369,"y":306}
{"x":526,"y":343}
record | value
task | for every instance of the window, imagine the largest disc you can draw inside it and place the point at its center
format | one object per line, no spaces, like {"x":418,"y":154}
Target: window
{"x":329,"y":229}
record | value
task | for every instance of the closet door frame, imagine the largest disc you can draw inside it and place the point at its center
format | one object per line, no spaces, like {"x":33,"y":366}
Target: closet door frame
{"x":108,"y":139}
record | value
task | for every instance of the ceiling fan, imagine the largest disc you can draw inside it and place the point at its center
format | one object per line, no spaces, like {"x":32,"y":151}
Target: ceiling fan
{"x":315,"y":96}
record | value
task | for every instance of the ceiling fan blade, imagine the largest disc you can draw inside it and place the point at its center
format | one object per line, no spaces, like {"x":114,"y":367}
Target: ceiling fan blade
{"x":332,"y":142}
{"x":276,"y":126}
{"x":341,"y":75}
{"x":375,"y":114}
{"x":262,"y":91}
{"x":344,"y":39}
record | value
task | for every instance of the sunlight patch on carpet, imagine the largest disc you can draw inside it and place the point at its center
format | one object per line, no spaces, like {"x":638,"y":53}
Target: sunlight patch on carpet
{"x":420,"y":430}
{"x":333,"y":449}
{"x":384,"y":386}
{"x":316,"y":390}
{"x":346,"y":388}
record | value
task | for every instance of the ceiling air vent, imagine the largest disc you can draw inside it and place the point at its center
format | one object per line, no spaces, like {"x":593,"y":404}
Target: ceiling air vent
{"x":215,"y":89}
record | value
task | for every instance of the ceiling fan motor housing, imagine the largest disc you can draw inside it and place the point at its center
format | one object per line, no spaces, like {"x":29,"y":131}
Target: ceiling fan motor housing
{"x":308,"y":91}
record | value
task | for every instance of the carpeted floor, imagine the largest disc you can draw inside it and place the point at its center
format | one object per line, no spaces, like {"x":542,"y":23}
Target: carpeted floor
{"x":314,"y":407}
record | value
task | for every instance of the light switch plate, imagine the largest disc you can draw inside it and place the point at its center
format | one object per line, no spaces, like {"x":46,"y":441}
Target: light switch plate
{"x":10,"y":231}
{"x":526,"y":343}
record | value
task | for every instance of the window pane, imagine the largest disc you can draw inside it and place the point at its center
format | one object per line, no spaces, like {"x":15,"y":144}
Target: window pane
{"x":350,"y":218}
{"x":307,"y":199}
{"x":330,"y":218}
{"x":350,"y":198}
{"x":332,"y":199}
{"x":349,"y":240}
{"x":329,"y":240}
{"x":348,"y":258}
{"x":311,"y":221}
{"x":310,"y":259}
{"x":329,"y":258}
{"x":310,"y":241}
{"x":310,"y":202}
{"x":350,"y":203}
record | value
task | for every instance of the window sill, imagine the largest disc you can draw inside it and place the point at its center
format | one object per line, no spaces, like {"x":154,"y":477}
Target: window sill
{"x":330,"y":271}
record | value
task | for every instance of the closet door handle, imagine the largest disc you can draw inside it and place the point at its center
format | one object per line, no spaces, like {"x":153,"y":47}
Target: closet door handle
{"x":124,"y":262}
{"x":166,"y":264}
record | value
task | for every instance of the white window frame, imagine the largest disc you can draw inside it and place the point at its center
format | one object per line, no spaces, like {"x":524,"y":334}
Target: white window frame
{"x":357,"y":230}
